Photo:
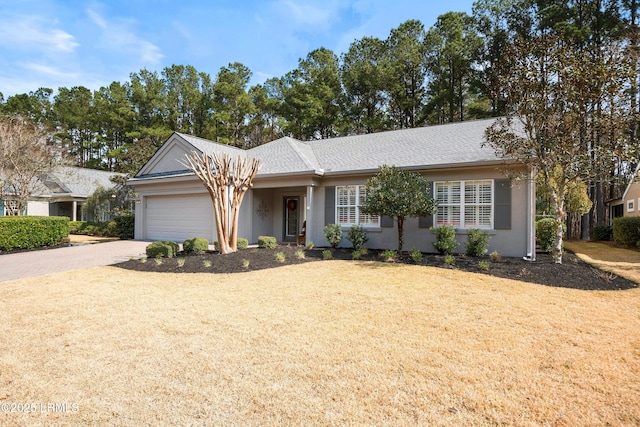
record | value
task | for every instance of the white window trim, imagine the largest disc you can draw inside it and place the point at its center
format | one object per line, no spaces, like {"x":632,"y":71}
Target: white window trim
{"x":630,"y":207}
{"x":357,"y":207}
{"x":463,"y":204}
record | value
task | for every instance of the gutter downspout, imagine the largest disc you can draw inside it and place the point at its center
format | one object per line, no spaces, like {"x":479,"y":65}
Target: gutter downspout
{"x":531,"y":215}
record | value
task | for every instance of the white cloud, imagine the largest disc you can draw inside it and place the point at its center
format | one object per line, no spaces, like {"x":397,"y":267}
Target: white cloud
{"x":118,"y":36}
{"x":303,"y":15}
{"x":97,"y":19}
{"x":34,"y":32}
{"x":51,"y":71}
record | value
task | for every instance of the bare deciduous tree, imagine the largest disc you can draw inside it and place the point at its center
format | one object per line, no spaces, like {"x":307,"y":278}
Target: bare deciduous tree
{"x":25,"y":155}
{"x":227,"y":184}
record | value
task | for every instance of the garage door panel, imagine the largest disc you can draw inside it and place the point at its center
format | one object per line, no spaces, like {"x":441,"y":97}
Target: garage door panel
{"x":179,"y":217}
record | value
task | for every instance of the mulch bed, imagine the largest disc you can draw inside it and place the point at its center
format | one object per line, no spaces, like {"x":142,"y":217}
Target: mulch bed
{"x":573,"y":273}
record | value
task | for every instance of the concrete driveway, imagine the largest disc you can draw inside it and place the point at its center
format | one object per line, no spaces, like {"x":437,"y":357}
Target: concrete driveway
{"x":38,"y":263}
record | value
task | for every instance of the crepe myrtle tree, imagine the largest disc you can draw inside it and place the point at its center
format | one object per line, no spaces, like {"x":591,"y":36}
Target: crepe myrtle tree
{"x":227,"y":182}
{"x":400,"y":194}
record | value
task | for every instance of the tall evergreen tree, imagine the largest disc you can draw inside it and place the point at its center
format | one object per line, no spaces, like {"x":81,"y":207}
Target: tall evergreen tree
{"x":405,"y":73}
{"x":362,"y":75}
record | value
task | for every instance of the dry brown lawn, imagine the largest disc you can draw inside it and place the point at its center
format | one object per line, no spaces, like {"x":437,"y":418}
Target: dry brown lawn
{"x":326,"y":343}
{"x":81,"y":238}
{"x":622,"y":262}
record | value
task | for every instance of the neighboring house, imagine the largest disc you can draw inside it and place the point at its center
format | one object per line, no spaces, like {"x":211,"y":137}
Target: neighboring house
{"x":629,"y":204}
{"x":322,"y":182}
{"x":62,"y":192}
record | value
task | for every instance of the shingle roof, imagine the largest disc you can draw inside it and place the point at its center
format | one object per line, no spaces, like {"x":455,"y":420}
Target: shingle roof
{"x":448,"y":144}
{"x":210,"y":147}
{"x":76,"y":181}
{"x":441,"y":145}
{"x":285,"y":155}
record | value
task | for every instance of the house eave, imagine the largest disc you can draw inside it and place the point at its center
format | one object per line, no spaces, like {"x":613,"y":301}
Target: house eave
{"x":440,"y":166}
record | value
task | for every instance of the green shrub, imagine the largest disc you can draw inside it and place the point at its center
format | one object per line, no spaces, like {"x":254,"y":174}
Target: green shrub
{"x":309,"y":245}
{"x":195,"y":244}
{"x":356,"y":254}
{"x":27,"y":232}
{"x":333,"y":233}
{"x":415,"y":255}
{"x":477,"y":242}
{"x":74,"y":227}
{"x":299,"y":254}
{"x":602,"y":232}
{"x":162,"y":248}
{"x":626,"y":230}
{"x":280,"y":257}
{"x":121,"y":227}
{"x":268,"y":242}
{"x":545,"y":233}
{"x":125,"y":226}
{"x":450,"y":260}
{"x":483,"y":265}
{"x":327,"y":254}
{"x":389,"y":255}
{"x":446,"y":241}
{"x":357,"y":235}
{"x":109,"y":229}
{"x":241,"y":243}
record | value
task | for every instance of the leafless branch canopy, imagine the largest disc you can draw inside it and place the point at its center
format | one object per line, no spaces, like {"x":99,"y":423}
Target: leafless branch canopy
{"x":25,"y":155}
{"x":227,"y":182}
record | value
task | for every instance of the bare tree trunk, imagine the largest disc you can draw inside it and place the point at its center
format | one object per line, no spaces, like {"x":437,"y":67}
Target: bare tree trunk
{"x":400,"y":234}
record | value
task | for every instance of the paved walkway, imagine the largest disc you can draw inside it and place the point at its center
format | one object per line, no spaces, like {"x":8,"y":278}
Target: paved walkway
{"x":38,"y":263}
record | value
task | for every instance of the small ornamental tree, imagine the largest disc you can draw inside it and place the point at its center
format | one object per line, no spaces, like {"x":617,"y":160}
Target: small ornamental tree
{"x":227,"y":182}
{"x":400,"y":194}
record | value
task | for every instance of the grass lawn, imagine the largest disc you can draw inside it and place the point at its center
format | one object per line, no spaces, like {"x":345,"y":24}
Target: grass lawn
{"x":325,"y":343}
{"x":623,"y":262}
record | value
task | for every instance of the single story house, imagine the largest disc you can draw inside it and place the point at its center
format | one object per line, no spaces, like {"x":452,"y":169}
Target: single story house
{"x":62,"y":192}
{"x":321,"y":182}
{"x":629,"y":204}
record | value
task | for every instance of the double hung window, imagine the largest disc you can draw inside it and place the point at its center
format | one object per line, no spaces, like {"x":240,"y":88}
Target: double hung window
{"x":349,"y":198}
{"x":465,"y":204}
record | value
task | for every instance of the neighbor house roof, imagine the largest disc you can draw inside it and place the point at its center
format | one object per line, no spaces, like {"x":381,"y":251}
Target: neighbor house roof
{"x":74,"y":182}
{"x":454,"y":144}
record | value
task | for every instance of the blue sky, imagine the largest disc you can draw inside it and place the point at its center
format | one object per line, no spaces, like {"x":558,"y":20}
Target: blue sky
{"x":53,"y":43}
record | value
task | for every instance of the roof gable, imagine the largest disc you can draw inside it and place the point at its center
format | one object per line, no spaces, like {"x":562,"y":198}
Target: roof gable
{"x":285,"y":155}
{"x":165,"y":161}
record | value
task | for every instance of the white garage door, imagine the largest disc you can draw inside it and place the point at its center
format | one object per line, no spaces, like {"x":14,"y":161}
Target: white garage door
{"x":179,"y":217}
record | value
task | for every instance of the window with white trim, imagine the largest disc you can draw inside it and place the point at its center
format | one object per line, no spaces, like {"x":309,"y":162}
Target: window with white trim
{"x":349,"y":198}
{"x":465,"y":204}
{"x":630,"y":206}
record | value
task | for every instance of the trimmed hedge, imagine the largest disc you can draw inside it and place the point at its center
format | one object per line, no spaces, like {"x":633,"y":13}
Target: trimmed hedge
{"x":268,"y":242}
{"x":602,"y":232}
{"x":196,"y":244}
{"x":162,"y":248}
{"x":125,"y":225}
{"x":242,"y":243}
{"x":28,"y":232}
{"x":121,"y":227}
{"x":626,"y":230}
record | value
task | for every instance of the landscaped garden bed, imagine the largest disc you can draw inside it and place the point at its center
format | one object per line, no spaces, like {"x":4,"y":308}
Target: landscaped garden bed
{"x":573,"y":273}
